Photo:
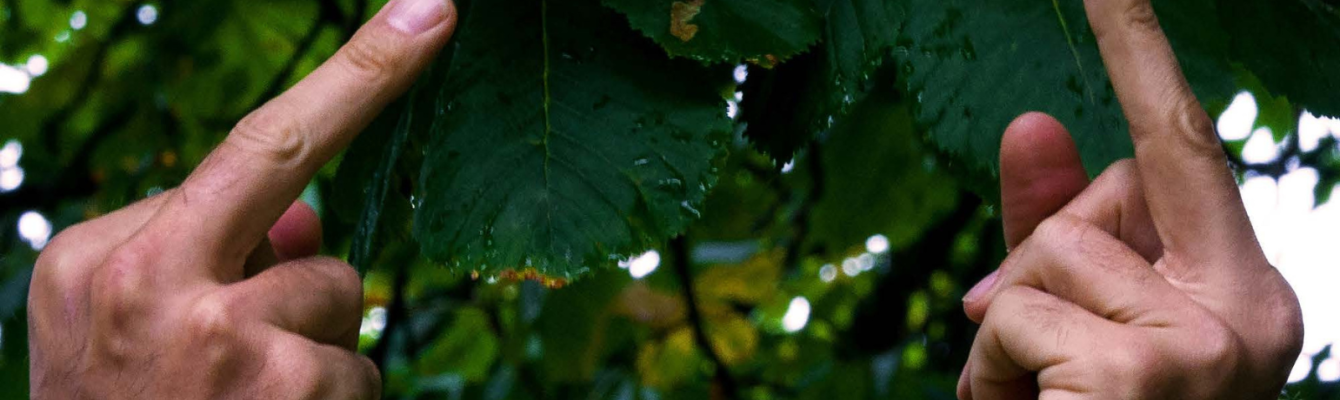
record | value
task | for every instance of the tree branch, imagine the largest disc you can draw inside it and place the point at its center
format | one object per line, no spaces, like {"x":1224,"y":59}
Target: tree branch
{"x":871,"y":330}
{"x":1290,"y":158}
{"x":355,"y":18}
{"x":396,"y":312}
{"x":800,"y":221}
{"x":51,"y":126}
{"x":329,"y":13}
{"x":679,"y":247}
{"x":74,"y":181}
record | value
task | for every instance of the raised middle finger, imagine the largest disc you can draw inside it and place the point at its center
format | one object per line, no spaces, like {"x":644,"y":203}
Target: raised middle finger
{"x":1192,"y":195}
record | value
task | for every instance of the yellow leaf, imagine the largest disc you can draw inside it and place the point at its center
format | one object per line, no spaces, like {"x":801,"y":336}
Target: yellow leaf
{"x":665,"y":364}
{"x":643,"y":304}
{"x":734,"y":338}
{"x":751,"y":282}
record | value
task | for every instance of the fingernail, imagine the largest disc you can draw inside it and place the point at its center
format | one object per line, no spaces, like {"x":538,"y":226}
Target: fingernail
{"x":416,"y":16}
{"x":981,"y":288}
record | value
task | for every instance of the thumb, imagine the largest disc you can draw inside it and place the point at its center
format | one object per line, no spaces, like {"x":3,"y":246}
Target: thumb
{"x":1040,"y":172}
{"x":297,"y":234}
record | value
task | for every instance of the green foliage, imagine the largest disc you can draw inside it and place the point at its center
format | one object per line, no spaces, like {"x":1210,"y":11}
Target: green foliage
{"x":971,"y":80}
{"x":877,"y":143}
{"x":572,"y":134}
{"x":468,"y":348}
{"x":785,"y":105}
{"x":562,"y":142}
{"x":561,"y":153}
{"x":1283,"y":40}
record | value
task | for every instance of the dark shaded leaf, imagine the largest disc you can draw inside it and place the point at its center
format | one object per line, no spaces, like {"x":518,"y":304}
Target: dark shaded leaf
{"x":563,"y":151}
{"x":733,"y":31}
{"x":785,"y":107}
{"x":1292,"y":45}
{"x":975,"y":66}
{"x":878,"y":180}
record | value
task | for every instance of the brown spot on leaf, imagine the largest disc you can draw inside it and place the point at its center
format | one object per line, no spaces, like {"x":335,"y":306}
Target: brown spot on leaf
{"x":531,"y":274}
{"x":768,"y":61}
{"x":681,"y":14}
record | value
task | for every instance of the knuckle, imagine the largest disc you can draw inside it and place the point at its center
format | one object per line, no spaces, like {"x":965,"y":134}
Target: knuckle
{"x":1061,"y":233}
{"x":343,"y":282}
{"x":1139,"y":368}
{"x":1057,"y":228}
{"x":301,"y":371}
{"x":1133,"y":18}
{"x":58,"y":250}
{"x":1290,"y":340}
{"x":1220,"y":351}
{"x":61,"y":264}
{"x":366,"y":60}
{"x":213,"y":320}
{"x":120,"y":282}
{"x":1287,"y":340}
{"x":339,"y":272}
{"x":271,"y":133}
{"x":1215,"y":358}
{"x":1123,"y":170}
{"x":372,"y":377}
{"x":1139,"y":16}
{"x":1008,"y":304}
{"x":1193,"y":127}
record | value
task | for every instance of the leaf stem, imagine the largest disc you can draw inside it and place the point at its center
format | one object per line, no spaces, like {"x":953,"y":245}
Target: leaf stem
{"x":1070,"y":40}
{"x":277,"y":83}
{"x":544,"y":36}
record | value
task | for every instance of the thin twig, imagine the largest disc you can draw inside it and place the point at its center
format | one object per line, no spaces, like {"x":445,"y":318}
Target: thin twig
{"x":51,"y":126}
{"x":1290,"y":157}
{"x":73,"y":181}
{"x":277,"y":83}
{"x":355,"y":18}
{"x":679,"y":247}
{"x":396,"y":312}
{"x":800,"y":221}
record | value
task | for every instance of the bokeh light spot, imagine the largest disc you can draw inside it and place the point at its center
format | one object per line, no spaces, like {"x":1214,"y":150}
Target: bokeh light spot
{"x":35,"y":229}
{"x":797,"y":315}
{"x":642,"y":265}
{"x":78,"y":20}
{"x":877,"y":244}
{"x":37,"y":65}
{"x":147,"y":14}
{"x":1236,"y":122}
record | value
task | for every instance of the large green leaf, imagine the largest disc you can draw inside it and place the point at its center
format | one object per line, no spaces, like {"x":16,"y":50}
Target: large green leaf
{"x":567,"y":142}
{"x":365,"y":178}
{"x":785,"y":106}
{"x":976,"y":65}
{"x":1292,"y":45}
{"x":368,"y":183}
{"x":762,"y":31}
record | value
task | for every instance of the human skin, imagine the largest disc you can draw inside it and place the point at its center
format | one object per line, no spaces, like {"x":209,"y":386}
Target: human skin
{"x":1149,"y":283}
{"x":212,"y":290}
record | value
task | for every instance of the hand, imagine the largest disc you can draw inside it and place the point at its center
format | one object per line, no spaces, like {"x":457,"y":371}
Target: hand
{"x":179,"y":296}
{"x":1150,"y":284}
